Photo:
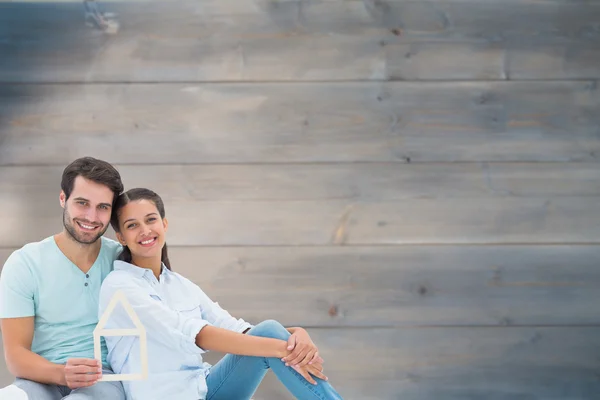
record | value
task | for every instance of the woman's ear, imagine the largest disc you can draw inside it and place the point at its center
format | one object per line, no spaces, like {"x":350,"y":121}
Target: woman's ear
{"x":166,"y":223}
{"x":120,"y":238}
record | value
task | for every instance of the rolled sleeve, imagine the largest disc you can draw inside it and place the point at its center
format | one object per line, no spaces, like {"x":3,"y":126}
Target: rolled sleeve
{"x":192,"y":328}
{"x":219,"y":317}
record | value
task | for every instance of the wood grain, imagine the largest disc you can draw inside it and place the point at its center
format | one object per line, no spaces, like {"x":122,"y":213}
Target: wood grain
{"x":302,"y":41}
{"x":349,"y":181}
{"x":569,"y":220}
{"x":337,"y":203}
{"x":314,"y":122}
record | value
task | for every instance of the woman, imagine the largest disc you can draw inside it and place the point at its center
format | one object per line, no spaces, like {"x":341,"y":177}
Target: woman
{"x":181,"y":323}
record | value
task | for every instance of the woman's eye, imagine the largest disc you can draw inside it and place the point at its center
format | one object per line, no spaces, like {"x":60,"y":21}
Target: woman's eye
{"x":130,"y":226}
{"x":151,"y":219}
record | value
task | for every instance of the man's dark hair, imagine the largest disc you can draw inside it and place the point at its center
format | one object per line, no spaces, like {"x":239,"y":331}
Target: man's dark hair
{"x":94,"y":170}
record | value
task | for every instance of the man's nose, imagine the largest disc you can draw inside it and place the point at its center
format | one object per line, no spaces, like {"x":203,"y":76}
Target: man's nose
{"x":91,"y":214}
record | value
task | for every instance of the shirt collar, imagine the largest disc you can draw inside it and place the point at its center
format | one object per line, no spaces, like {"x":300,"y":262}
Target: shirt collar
{"x":120,"y":265}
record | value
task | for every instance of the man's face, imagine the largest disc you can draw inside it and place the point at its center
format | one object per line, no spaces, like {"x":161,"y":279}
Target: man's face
{"x":86,"y":214}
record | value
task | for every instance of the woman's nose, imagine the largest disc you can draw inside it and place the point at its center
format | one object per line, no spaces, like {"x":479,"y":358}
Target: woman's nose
{"x":145,"y":230}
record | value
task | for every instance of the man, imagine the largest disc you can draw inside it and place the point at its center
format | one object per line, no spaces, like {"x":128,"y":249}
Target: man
{"x":49,"y":294}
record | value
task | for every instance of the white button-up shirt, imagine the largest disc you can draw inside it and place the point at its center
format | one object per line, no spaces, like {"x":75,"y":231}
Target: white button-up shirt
{"x":172,"y":310}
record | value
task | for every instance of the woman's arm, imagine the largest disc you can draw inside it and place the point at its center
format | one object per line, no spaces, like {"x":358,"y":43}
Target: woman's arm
{"x":216,"y":315}
{"x":226,"y":341}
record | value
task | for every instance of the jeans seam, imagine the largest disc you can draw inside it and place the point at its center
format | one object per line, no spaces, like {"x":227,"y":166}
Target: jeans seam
{"x":224,"y":379}
{"x":307,"y":384}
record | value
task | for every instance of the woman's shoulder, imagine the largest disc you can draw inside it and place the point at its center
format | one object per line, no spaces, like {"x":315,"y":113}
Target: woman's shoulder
{"x":182,"y":280}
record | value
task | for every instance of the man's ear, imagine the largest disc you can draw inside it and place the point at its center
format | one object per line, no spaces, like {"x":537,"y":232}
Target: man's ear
{"x":62,"y":198}
{"x":120,"y":238}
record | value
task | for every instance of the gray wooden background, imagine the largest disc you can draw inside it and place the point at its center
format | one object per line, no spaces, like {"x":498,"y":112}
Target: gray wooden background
{"x":416,"y":182}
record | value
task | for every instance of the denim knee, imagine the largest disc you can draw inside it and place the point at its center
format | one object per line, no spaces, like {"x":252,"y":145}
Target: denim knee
{"x":271,"y":329}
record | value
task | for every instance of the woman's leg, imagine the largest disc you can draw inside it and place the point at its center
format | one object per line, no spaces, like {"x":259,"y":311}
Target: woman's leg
{"x":238,"y":377}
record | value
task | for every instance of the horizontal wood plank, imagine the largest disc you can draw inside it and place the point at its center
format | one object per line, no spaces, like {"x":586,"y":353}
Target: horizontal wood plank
{"x":338,"y":203}
{"x":307,"y":57}
{"x":297,"y":41}
{"x":569,"y":220}
{"x":351,"y":181}
{"x":439,"y":19}
{"x":454,"y":363}
{"x":327,"y":122}
{"x":398,"y":286}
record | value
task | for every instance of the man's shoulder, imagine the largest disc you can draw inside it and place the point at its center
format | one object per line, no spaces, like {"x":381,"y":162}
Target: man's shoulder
{"x":31,"y":252}
{"x":113,"y":247}
{"x":24,"y":263}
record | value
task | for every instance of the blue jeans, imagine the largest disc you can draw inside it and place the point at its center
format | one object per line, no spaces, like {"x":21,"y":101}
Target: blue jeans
{"x":238,"y":377}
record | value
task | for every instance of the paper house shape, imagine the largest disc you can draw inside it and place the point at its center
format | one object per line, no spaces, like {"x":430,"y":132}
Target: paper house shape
{"x":119,"y":297}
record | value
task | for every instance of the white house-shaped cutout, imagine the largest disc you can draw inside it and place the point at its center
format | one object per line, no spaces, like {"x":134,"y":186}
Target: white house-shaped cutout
{"x":119,"y":297}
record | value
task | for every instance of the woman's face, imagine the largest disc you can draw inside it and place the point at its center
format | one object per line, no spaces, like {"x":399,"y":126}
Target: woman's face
{"x":142,"y":229}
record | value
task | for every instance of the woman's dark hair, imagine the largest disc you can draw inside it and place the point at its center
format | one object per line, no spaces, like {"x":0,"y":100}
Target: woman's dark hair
{"x":135,"y":195}
{"x":94,"y":170}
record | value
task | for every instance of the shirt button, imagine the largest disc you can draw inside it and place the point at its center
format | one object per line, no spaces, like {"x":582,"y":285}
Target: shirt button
{"x":86,"y":284}
{"x":87,"y":275}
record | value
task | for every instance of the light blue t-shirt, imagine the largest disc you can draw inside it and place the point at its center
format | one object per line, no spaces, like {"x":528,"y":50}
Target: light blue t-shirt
{"x":39,"y":280}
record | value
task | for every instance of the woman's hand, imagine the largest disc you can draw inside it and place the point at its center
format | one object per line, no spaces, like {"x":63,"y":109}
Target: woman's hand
{"x":304,"y":351}
{"x":308,"y":371}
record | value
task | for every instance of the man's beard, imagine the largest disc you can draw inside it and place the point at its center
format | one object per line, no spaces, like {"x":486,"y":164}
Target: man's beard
{"x":80,"y":238}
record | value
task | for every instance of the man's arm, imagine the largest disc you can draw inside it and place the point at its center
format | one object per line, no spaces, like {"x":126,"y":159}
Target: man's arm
{"x":17,"y":335}
{"x":17,"y":322}
{"x":17,"y":311}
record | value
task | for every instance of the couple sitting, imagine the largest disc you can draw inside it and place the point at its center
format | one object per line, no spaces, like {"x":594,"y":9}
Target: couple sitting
{"x":53,"y":291}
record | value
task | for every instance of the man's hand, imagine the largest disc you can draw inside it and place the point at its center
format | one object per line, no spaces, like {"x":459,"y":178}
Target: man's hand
{"x":315,"y":369}
{"x":304,"y":350}
{"x":82,"y":372}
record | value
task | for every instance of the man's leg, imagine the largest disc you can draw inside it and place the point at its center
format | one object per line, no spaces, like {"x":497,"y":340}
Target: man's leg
{"x":101,"y":390}
{"x":23,"y":389}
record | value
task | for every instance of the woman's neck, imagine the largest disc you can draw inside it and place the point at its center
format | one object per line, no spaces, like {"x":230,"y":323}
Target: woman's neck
{"x":153,"y":264}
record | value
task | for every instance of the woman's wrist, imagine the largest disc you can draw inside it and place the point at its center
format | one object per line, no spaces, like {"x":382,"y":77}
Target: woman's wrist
{"x":282,"y":350}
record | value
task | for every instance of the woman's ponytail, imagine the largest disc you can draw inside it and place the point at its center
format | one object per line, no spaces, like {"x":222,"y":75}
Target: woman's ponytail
{"x":165,"y":257}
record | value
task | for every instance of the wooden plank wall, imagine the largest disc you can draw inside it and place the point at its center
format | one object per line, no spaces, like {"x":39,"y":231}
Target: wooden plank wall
{"x":415,"y":181}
